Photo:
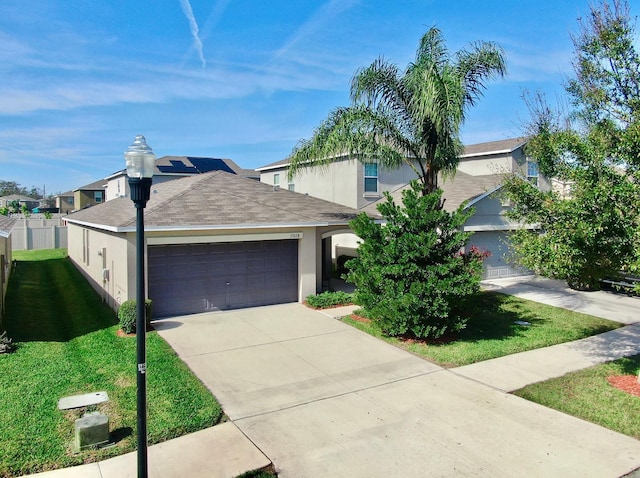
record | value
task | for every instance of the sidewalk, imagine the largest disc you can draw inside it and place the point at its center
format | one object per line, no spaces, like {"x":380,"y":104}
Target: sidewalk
{"x":222,"y":451}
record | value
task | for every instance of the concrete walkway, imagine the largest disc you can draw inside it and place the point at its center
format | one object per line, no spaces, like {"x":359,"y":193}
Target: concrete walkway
{"x":320,"y":398}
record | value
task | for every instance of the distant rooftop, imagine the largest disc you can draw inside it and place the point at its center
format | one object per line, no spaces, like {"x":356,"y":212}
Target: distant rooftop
{"x":478,"y":149}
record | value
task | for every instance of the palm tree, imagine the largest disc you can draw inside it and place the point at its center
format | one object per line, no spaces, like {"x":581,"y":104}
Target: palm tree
{"x":412,"y":118}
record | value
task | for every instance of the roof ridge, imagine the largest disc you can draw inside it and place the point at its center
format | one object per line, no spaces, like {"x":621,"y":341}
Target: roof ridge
{"x":195,"y":178}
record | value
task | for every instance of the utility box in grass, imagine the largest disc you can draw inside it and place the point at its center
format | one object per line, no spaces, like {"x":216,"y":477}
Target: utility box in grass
{"x":91,"y":430}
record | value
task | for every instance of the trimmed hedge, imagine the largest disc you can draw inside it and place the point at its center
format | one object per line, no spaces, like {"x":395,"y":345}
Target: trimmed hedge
{"x":329,"y":299}
{"x":127,"y":315}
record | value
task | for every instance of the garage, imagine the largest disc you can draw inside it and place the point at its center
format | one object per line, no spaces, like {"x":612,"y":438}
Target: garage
{"x":495,"y":266}
{"x":193,"y":278}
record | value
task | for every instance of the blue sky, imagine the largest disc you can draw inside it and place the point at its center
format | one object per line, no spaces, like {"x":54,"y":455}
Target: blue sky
{"x":232,"y":78}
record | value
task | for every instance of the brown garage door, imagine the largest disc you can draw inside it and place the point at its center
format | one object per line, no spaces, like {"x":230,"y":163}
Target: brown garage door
{"x":193,"y":278}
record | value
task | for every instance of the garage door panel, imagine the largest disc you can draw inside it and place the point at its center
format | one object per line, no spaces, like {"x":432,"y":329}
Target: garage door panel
{"x":198,"y":278}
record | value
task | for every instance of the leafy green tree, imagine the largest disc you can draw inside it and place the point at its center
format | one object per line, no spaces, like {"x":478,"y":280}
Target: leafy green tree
{"x":411,"y":275}
{"x":412,"y":117}
{"x":595,"y":232}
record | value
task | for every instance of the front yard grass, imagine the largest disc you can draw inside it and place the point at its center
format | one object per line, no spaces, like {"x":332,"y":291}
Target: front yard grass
{"x":67,"y":344}
{"x":586,"y":394}
{"x":492,"y":330}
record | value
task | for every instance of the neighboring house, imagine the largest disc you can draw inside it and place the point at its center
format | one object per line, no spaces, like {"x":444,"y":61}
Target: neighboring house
{"x":6,"y":225}
{"x":213,"y":241}
{"x":27,"y":201}
{"x":480,"y":169}
{"x":65,"y":202}
{"x":176,"y":167}
{"x":489,"y":225}
{"x":89,"y":195}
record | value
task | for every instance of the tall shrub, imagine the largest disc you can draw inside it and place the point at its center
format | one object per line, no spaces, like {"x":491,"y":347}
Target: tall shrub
{"x":412,"y":275}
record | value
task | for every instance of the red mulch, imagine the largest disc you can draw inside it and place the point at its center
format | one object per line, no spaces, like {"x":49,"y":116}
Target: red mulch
{"x":626,"y":383}
{"x":121,"y":333}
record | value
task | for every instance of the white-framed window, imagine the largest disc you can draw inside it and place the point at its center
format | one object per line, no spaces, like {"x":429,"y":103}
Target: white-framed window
{"x":276,"y":179}
{"x":532,"y":172}
{"x":98,"y":196}
{"x":292,"y":187}
{"x":371,"y":177}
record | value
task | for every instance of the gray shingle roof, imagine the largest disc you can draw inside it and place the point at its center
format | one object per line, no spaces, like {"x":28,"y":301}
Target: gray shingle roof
{"x":493,"y":147}
{"x":99,"y":185}
{"x":6,"y":224}
{"x":462,"y":187}
{"x":217,"y":199}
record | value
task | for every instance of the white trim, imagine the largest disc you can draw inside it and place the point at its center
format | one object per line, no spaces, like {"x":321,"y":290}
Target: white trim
{"x":482,"y":196}
{"x":498,"y":227}
{"x":222,"y":227}
{"x":276,"y":236}
{"x":497,"y":151}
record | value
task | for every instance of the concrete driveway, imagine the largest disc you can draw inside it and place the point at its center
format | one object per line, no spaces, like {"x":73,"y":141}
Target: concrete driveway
{"x":320,"y":398}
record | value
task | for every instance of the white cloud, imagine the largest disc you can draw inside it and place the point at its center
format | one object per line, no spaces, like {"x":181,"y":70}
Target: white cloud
{"x":193,"y":25}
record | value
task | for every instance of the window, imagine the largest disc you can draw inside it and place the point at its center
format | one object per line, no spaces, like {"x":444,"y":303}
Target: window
{"x":292,"y":187}
{"x":371,"y":177}
{"x":276,"y":179}
{"x":70,"y":201}
{"x":532,"y":172}
{"x":98,"y":196}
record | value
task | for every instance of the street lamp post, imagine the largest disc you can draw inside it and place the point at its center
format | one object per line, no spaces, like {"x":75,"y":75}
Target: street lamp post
{"x":140,"y":162}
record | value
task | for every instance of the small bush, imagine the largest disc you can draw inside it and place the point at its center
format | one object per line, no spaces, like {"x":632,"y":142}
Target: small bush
{"x":127,"y":315}
{"x":329,"y":299}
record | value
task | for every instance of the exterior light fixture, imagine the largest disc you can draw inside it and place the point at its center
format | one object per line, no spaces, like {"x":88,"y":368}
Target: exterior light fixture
{"x":140,"y":162}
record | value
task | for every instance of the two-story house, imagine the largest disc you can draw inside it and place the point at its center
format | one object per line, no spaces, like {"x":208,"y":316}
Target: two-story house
{"x":476,"y":183}
{"x":89,"y":194}
{"x":175,"y":167}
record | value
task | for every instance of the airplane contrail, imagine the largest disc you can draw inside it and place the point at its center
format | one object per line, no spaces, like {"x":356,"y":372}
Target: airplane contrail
{"x":195,"y":32}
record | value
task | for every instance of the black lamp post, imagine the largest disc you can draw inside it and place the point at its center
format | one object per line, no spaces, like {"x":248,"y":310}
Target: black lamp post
{"x":140,"y":164}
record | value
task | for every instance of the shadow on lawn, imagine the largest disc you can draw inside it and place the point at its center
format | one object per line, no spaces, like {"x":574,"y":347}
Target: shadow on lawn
{"x":49,"y":300}
{"x":492,"y":315}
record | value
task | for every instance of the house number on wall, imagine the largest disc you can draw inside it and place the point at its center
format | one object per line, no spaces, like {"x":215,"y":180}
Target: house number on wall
{"x":295,"y":235}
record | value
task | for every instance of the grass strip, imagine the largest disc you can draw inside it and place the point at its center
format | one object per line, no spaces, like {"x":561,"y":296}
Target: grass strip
{"x":586,"y":394}
{"x":67,"y":344}
{"x":493,"y":330}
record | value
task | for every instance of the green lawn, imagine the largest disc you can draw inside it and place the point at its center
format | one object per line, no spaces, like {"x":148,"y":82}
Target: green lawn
{"x":492,"y":332}
{"x":587,"y":394}
{"x":67,"y":344}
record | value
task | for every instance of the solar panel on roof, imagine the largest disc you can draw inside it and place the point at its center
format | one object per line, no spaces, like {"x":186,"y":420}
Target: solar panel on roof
{"x":205,"y":165}
{"x":177,"y":167}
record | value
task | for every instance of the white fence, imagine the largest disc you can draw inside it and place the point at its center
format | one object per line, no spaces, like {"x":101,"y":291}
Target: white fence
{"x":37,"y":232}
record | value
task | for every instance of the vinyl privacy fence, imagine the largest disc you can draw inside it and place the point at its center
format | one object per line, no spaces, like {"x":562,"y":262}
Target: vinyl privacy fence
{"x":38,"y":233}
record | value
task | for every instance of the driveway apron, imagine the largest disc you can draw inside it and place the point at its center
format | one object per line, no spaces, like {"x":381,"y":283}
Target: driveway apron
{"x":320,"y":398}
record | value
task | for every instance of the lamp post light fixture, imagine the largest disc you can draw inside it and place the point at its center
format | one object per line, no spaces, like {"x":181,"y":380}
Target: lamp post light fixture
{"x":140,"y":162}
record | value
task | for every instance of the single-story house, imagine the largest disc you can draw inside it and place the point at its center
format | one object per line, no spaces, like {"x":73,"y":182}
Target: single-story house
{"x":6,"y":225}
{"x":213,"y":241}
{"x":26,"y":201}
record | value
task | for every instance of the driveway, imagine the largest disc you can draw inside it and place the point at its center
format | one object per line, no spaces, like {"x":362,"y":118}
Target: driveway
{"x":320,"y":398}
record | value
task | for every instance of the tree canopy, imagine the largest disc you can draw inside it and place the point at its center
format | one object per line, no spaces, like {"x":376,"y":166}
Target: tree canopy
{"x":595,"y":232}
{"x":411,"y":117}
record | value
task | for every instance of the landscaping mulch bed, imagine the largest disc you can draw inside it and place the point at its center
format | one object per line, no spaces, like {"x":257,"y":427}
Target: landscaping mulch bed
{"x":626,"y":383}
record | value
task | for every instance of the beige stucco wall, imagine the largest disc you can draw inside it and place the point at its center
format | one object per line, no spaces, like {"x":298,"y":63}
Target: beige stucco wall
{"x":341,"y":182}
{"x":490,"y":164}
{"x":93,"y":251}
